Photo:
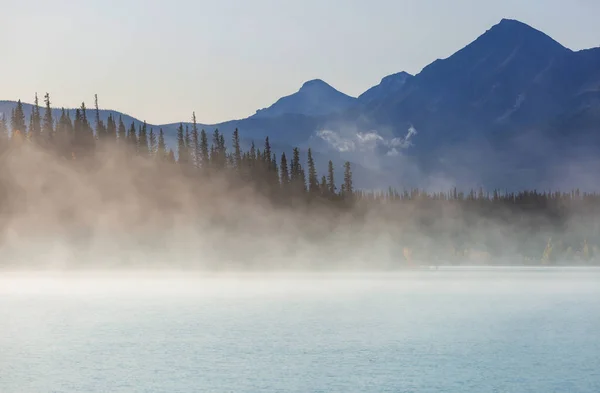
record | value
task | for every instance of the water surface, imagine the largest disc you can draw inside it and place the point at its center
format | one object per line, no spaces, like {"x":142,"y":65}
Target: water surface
{"x":450,"y":330}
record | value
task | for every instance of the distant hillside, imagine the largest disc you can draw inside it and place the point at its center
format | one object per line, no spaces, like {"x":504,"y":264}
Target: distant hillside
{"x":512,"y":109}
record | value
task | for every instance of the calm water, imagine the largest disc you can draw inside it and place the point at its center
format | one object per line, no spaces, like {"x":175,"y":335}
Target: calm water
{"x":504,"y":330}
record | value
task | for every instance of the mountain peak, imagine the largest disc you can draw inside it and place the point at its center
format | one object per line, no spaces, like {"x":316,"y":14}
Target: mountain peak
{"x":315,"y":84}
{"x":315,"y":98}
{"x":512,"y":31}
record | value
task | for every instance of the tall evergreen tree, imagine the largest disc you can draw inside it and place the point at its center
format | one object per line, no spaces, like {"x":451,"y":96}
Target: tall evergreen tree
{"x":111,"y":129}
{"x":4,"y":133}
{"x":267,"y":152}
{"x":204,"y":157}
{"x":152,"y":142}
{"x":161,"y":149}
{"x":323,"y":188}
{"x":122,"y":131}
{"x":48,"y":123}
{"x":237,"y":155}
{"x":330,"y":178}
{"x":188,"y":146}
{"x":313,"y":181}
{"x":181,"y":147}
{"x":348,"y":187}
{"x":284,"y":172}
{"x":143,"y":141}
{"x":35,"y":122}
{"x":17,"y":121}
{"x":196,"y":153}
{"x":132,"y":137}
{"x":101,"y":132}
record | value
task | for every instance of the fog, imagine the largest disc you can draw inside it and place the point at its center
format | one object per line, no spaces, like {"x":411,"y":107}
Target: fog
{"x":116,"y":210}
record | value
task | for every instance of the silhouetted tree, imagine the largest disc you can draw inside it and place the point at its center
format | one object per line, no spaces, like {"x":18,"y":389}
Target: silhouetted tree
{"x":35,"y":122}
{"x":122,"y":132}
{"x":313,"y":182}
{"x":48,"y":122}
{"x":161,"y":150}
{"x":348,"y":187}
{"x":17,"y":121}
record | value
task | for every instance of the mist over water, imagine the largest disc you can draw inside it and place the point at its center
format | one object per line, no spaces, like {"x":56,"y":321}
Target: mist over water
{"x":467,"y":330}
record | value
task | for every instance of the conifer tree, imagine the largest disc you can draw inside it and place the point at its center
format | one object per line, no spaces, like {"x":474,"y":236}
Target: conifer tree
{"x":204,"y":158}
{"x":64,"y":134}
{"x":132,"y":137}
{"x":237,"y":155}
{"x":323,"y":188}
{"x":161,"y":150}
{"x":48,"y":124}
{"x":111,"y":129}
{"x":122,"y":131}
{"x":152,"y":142}
{"x":267,"y":152}
{"x":143,"y":141}
{"x":35,"y":122}
{"x":17,"y":121}
{"x":3,"y":131}
{"x":188,"y":146}
{"x":330,"y":178}
{"x":101,"y":132}
{"x":348,"y":187}
{"x":181,"y":147}
{"x":274,"y":174}
{"x":313,"y":181}
{"x":284,"y":172}
{"x":195,"y":143}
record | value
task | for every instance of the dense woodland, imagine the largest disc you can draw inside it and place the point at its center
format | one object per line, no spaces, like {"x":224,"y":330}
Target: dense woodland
{"x":452,"y":227}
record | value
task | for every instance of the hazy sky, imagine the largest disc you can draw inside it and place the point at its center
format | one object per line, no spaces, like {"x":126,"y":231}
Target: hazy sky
{"x":160,"y":60}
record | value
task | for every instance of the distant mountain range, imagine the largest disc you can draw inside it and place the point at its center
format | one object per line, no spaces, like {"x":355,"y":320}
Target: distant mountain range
{"x":512,"y":109}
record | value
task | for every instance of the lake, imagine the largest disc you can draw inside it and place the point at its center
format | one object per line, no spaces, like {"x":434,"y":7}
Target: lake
{"x":448,"y":330}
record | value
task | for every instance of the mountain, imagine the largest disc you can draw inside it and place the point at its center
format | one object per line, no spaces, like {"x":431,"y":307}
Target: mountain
{"x":315,"y":98}
{"x":389,"y":85}
{"x":512,"y":109}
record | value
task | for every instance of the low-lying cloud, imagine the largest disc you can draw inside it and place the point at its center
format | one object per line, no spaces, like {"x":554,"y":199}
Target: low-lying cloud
{"x":367,"y":142}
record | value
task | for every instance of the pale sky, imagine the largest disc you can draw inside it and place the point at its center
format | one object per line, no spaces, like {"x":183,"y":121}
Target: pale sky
{"x":161,"y":60}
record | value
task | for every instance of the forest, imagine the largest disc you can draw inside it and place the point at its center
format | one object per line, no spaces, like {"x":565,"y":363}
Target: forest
{"x":89,"y":186}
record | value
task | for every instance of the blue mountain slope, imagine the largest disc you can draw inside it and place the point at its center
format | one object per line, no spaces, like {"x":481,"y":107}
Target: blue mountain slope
{"x":315,"y":98}
{"x":510,"y":109}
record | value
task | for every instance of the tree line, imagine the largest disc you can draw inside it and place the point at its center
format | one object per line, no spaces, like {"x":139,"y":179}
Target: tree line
{"x":539,"y":224}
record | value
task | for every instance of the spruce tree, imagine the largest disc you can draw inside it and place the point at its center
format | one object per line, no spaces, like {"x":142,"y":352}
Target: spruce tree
{"x":348,"y":188}
{"x":216,"y":158}
{"x":132,"y":137}
{"x":284,"y":172}
{"x":161,"y":149}
{"x":48,"y":124}
{"x":204,"y":158}
{"x":152,"y":143}
{"x":237,"y":155}
{"x":17,"y":121}
{"x":267,"y":152}
{"x":196,"y":159}
{"x":330,"y":178}
{"x":188,"y":146}
{"x":111,"y":129}
{"x":3,"y":130}
{"x":122,"y":132}
{"x":143,"y":141}
{"x":181,"y":148}
{"x":323,"y":188}
{"x":35,"y":122}
{"x":101,"y":132}
{"x":313,"y":181}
